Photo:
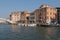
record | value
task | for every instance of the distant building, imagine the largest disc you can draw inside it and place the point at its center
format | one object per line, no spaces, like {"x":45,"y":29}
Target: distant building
{"x":24,"y":17}
{"x":48,"y":14}
{"x":21,"y":17}
{"x":58,"y":14}
{"x":15,"y":16}
{"x":37,"y":16}
{"x":32,"y":17}
{"x":45,"y":14}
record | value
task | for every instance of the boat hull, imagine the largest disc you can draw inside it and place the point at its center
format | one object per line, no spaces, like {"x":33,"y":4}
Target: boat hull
{"x":50,"y":25}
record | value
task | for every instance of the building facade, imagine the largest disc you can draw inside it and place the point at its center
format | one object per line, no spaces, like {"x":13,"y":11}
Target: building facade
{"x":45,"y":14}
{"x":37,"y":16}
{"x":58,"y":14}
{"x":24,"y":17}
{"x":32,"y":17}
{"x":15,"y":16}
{"x":48,"y":14}
{"x":21,"y":17}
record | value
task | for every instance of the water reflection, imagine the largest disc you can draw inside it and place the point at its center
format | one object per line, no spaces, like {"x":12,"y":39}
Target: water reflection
{"x":14,"y":28}
{"x":47,"y":33}
{"x":14,"y":32}
{"x":50,"y":33}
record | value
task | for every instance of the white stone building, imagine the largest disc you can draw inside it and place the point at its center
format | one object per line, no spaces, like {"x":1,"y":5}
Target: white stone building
{"x":15,"y":16}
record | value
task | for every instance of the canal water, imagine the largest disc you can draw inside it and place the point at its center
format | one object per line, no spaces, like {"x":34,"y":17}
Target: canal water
{"x":13,"y":32}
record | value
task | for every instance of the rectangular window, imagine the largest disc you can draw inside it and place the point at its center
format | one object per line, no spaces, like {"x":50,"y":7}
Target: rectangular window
{"x":32,"y":17}
{"x":32,"y":13}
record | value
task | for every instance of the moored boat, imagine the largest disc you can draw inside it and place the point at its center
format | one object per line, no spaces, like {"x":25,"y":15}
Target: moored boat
{"x":50,"y":25}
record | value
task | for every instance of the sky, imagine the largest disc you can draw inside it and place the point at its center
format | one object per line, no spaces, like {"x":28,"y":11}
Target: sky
{"x":8,"y":6}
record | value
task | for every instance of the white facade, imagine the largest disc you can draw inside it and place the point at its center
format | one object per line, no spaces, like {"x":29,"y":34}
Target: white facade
{"x":15,"y":16}
{"x":32,"y":17}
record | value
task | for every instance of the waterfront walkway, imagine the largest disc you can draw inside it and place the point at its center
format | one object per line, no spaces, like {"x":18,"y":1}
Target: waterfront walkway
{"x":2,"y":20}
